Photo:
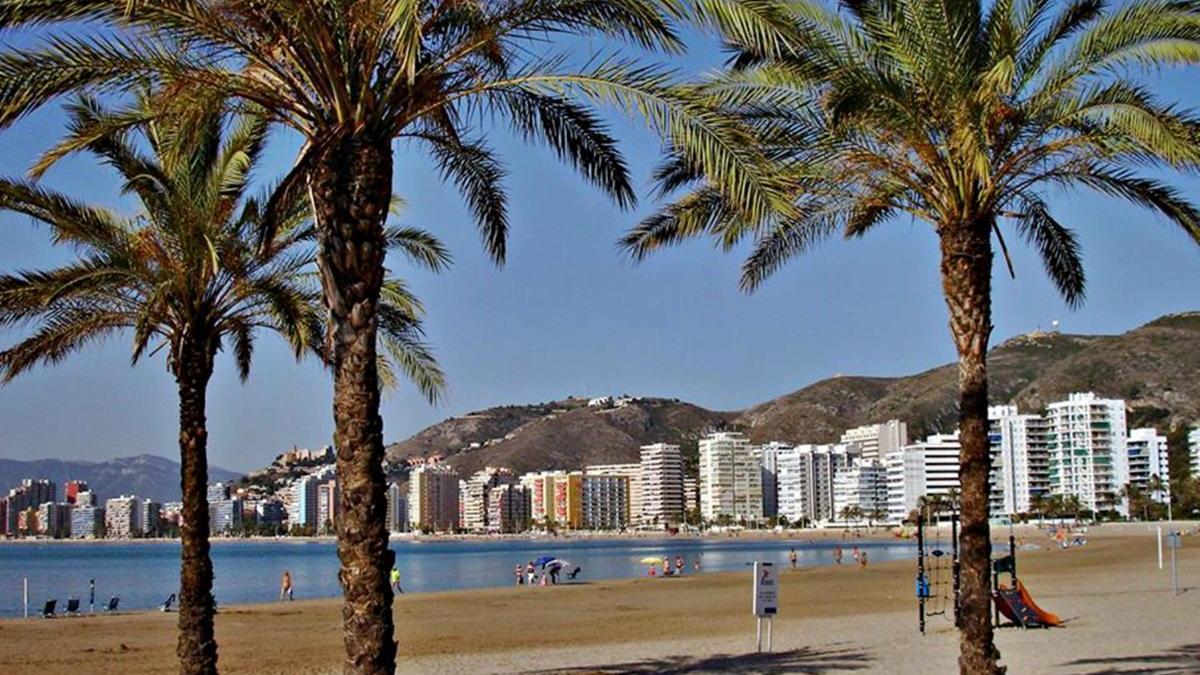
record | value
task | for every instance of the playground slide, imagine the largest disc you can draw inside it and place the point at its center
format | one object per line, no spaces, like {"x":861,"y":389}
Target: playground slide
{"x":1043,"y":616}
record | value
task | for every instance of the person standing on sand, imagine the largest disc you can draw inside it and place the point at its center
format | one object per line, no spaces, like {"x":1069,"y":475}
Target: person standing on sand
{"x":530,"y":574}
{"x":862,"y":559}
{"x":679,"y":565}
{"x":792,"y":557}
{"x":285,"y":586}
{"x":696,"y":564}
{"x":519,"y":574}
{"x":837,"y":555}
{"x":855,"y":553}
{"x":396,"y":581}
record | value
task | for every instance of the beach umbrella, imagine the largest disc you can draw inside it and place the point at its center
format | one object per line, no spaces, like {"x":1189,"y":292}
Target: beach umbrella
{"x":541,"y":562}
{"x":651,"y":560}
{"x":557,"y":562}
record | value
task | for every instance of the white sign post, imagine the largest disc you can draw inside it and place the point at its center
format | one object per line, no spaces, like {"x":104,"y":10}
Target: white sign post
{"x":766,"y":599}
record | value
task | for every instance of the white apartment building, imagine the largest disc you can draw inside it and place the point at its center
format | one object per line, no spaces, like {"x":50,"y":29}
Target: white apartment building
{"x":661,"y":485}
{"x":1147,"y":459}
{"x":769,"y":452}
{"x":605,"y":502}
{"x":929,"y":468}
{"x":302,"y":507}
{"x":1087,"y":446}
{"x":1194,"y":449}
{"x":804,"y":476}
{"x":397,"y":509}
{"x":862,"y":486}
{"x":691,"y":495}
{"x":875,"y":441}
{"x":632,"y":471}
{"x":474,"y":495}
{"x":1020,"y":459}
{"x":730,"y":478}
{"x":433,"y":497}
{"x":123,"y":517}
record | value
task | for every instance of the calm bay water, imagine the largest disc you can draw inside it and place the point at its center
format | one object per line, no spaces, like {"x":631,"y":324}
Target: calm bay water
{"x":145,"y":573}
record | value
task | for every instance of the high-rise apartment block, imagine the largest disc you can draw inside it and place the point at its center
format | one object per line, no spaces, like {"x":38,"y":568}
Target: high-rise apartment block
{"x":433,"y":493}
{"x":661,"y":485}
{"x":123,"y":517}
{"x":397,"y":509}
{"x":508,"y":509}
{"x":769,"y":453}
{"x":1087,"y":446}
{"x":473,"y":498}
{"x":634,"y":513}
{"x":925,"y":469}
{"x":605,"y":502}
{"x":875,"y":441}
{"x":1020,"y":459}
{"x":805,"y":476}
{"x":1148,"y":465}
{"x":730,"y":478}
{"x":302,"y":507}
{"x":860,"y":492}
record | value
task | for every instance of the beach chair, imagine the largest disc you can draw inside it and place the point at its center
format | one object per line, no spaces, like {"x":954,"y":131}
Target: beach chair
{"x":112,"y":604}
{"x":166,"y":606}
{"x":72,"y":607}
{"x":48,"y":610}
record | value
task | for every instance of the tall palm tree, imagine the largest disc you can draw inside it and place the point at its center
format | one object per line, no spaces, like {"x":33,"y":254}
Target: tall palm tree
{"x":350,"y":78}
{"x":961,"y":115}
{"x":187,"y":275}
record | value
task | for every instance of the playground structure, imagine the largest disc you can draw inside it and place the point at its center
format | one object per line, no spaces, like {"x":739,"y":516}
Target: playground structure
{"x":1013,"y":601}
{"x":939,"y":574}
{"x":938,"y":570}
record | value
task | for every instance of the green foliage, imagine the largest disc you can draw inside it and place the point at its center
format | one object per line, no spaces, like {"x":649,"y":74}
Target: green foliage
{"x":193,"y":263}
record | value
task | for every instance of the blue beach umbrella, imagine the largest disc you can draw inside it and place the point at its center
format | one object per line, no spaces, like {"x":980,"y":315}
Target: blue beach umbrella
{"x":541,"y":562}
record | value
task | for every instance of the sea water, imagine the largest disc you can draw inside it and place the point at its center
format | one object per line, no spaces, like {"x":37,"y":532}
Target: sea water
{"x":143,"y":574}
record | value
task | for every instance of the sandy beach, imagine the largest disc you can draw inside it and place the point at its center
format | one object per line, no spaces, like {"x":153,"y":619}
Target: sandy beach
{"x":1121,"y":617}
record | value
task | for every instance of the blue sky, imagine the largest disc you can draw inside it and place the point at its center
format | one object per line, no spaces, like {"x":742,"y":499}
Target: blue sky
{"x":568,"y":315}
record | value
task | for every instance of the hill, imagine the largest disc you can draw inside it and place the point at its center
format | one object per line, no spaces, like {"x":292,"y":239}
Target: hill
{"x":147,"y":476}
{"x":1153,"y":367}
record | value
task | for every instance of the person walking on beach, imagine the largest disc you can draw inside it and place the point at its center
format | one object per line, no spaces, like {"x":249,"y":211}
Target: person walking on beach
{"x":792,"y":557}
{"x":285,"y":586}
{"x":519,"y":574}
{"x":396,"y":581}
{"x":679,"y":565}
{"x":530,"y":574}
{"x":837,"y":555}
{"x":862,"y":559}
{"x":856,"y":554}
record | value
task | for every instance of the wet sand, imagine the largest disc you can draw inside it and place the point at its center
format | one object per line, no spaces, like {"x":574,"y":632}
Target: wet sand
{"x":1121,"y":617}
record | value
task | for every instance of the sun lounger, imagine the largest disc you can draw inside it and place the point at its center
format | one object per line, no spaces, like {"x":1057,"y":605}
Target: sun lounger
{"x":48,"y":610}
{"x":72,"y":607}
{"x":112,"y":604}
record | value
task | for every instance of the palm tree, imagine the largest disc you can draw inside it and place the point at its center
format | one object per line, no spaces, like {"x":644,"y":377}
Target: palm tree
{"x":960,"y":115}
{"x":350,"y":78}
{"x":188,"y":276}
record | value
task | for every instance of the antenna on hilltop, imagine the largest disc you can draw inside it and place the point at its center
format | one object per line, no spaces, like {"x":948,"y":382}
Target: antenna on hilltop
{"x":1054,"y":326}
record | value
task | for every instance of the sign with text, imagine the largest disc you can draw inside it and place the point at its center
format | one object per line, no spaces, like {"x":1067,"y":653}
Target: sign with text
{"x":766,"y":589}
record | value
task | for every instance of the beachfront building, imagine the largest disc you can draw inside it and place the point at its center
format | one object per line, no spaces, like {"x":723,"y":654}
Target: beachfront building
{"x":1020,"y":459}
{"x":224,"y":516}
{"x":925,"y":469}
{"x":473,"y":499}
{"x":86,"y":521}
{"x":151,"y":517}
{"x":397,"y":509}
{"x":605,"y":502}
{"x":632,"y":471}
{"x":218,"y":492}
{"x":539,"y":486}
{"x":54,"y":520}
{"x":875,"y":441}
{"x":122,"y":517}
{"x":568,"y":500}
{"x":72,"y":488}
{"x":87,"y":498}
{"x":433,"y":498}
{"x":662,"y":485}
{"x":508,"y":509}
{"x":860,"y":493}
{"x":805,"y":476}
{"x":270,"y":512}
{"x":730,"y":478}
{"x":30,"y":494}
{"x":1194,"y":449}
{"x":1148,"y":467}
{"x":769,"y":452}
{"x":302,"y":507}
{"x":1087,"y":446}
{"x":328,"y":494}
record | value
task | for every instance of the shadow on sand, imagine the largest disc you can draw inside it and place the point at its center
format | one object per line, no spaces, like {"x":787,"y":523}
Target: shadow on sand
{"x":804,"y":660}
{"x":1183,"y":659}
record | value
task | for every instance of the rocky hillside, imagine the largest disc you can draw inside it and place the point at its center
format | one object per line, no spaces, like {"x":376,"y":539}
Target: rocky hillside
{"x":147,"y":476}
{"x":1153,"y":367}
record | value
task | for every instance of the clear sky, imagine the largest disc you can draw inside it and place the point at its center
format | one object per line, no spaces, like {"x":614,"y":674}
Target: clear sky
{"x":568,"y":315}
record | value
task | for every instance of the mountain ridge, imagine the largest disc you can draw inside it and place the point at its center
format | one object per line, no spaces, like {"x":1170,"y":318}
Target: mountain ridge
{"x":146,"y":476}
{"x":1150,"y":366}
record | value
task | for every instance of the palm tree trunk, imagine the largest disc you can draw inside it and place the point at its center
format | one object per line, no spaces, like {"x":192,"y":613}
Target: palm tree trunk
{"x":197,"y":648}
{"x":351,"y":187}
{"x":966,"y":280}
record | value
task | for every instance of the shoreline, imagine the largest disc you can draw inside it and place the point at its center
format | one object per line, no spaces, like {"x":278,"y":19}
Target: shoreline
{"x":1117,"y":606}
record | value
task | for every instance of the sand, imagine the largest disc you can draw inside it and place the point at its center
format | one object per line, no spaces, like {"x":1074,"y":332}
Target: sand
{"x":1121,"y":617}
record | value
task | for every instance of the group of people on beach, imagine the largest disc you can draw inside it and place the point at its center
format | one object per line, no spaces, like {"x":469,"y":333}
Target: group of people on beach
{"x":668,"y":571}
{"x":287,"y":589}
{"x":860,"y":557}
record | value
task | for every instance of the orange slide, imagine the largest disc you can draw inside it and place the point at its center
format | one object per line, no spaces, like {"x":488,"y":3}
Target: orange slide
{"x":1045,"y":617}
